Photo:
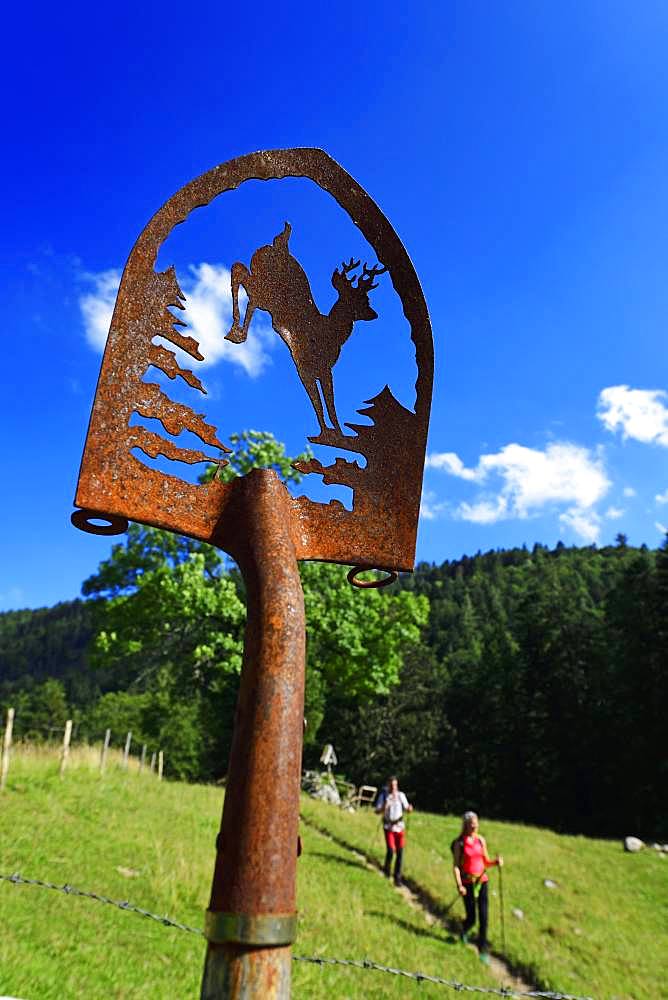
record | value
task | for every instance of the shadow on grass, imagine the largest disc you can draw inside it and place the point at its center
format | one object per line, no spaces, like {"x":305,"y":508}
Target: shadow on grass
{"x":359,"y":865}
{"x":424,"y":932}
{"x":424,"y":897}
{"x":429,"y":903}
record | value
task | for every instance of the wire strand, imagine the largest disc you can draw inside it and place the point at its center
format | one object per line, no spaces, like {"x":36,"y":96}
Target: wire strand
{"x":365,"y":964}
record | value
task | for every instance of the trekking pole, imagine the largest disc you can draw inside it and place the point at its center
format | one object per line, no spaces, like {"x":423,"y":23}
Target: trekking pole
{"x":452,"y":903}
{"x":406,"y":828}
{"x":503,"y":920}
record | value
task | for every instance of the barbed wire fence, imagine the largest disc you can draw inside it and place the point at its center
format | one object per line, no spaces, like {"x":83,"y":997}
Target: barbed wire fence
{"x":53,"y":732}
{"x":362,"y":964}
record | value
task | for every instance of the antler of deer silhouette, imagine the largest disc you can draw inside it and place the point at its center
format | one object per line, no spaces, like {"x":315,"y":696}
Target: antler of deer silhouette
{"x":277,"y":283}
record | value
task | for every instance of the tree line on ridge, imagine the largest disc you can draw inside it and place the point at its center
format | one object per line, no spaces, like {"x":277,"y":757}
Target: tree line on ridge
{"x":525,"y":684}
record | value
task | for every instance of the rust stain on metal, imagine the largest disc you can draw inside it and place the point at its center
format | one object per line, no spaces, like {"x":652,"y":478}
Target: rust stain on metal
{"x":269,"y":709}
{"x":380,"y":529}
{"x":255,"y":519}
{"x":256,"y":861}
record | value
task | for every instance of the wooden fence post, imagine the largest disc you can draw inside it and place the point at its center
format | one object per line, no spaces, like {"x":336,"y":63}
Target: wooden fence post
{"x":6,"y":746}
{"x":126,"y":752}
{"x":160,"y":764}
{"x":142,"y":760}
{"x":105,"y":747}
{"x":65,"y":752}
{"x":153,"y":762}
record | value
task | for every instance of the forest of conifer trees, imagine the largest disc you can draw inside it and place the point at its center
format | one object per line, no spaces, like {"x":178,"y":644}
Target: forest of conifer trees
{"x":536,"y":691}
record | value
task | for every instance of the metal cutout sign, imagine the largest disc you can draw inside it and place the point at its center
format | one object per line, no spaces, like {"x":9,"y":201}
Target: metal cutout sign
{"x":114,"y":486}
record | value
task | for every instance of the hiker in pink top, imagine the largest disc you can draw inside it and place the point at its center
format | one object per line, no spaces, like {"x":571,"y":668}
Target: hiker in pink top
{"x":470,"y":863}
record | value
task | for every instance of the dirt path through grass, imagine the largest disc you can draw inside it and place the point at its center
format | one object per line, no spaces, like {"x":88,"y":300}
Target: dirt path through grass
{"x":498,"y":965}
{"x":419,"y":899}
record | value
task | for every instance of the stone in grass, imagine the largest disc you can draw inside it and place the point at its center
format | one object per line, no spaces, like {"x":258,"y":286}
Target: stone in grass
{"x":328,"y":793}
{"x":321,"y":786}
{"x":550,"y":883}
{"x":127,"y":872}
{"x":517,"y":913}
{"x":633,"y":845}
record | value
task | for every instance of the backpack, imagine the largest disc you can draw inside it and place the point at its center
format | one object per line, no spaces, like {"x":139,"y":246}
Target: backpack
{"x":397,"y":819}
{"x":380,"y":798}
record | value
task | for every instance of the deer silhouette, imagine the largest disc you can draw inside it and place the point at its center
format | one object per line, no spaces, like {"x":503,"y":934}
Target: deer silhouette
{"x":277,"y":283}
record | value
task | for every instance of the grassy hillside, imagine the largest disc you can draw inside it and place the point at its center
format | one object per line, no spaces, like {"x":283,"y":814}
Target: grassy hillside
{"x":95,"y":834}
{"x":603,"y":931}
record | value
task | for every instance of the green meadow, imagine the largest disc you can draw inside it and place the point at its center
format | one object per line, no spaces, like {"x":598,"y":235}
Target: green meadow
{"x":602,"y":932}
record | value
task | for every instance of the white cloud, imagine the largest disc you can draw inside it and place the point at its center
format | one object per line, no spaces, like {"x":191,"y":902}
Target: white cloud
{"x":449,"y":462}
{"x":661,"y":527}
{"x":628,"y":491}
{"x":585,"y":523}
{"x":430,"y":508}
{"x":614,"y":513}
{"x":562,"y":473}
{"x":97,"y":306}
{"x":532,"y":478}
{"x":484,"y":511}
{"x":639,"y":413}
{"x":208,"y":314}
{"x":662,"y":497}
{"x":532,"y":481}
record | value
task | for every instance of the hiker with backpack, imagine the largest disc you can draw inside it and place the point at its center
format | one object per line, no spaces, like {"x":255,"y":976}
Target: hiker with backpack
{"x":393,"y":804}
{"x":471,"y":861}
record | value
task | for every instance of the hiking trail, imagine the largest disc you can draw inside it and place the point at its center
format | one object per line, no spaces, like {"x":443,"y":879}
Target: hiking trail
{"x":419,"y":900}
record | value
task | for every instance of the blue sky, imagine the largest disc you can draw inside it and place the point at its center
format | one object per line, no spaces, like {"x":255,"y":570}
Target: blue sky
{"x":521,"y":153}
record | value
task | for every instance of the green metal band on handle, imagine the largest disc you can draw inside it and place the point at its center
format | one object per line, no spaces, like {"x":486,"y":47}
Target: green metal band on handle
{"x":260,"y":929}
